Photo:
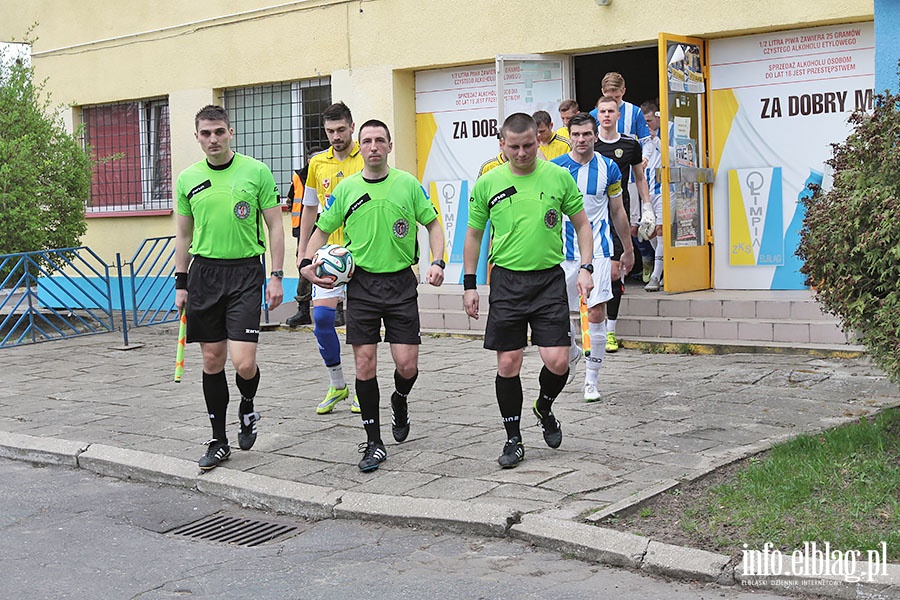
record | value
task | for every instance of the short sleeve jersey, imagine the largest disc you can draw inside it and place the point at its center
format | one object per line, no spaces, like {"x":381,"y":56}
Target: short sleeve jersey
{"x":557,"y":146}
{"x":325,"y":172}
{"x":625,"y":152}
{"x":226,"y":205}
{"x":379,"y":219}
{"x":525,"y":213}
{"x":599,"y":180}
{"x":491,"y":164}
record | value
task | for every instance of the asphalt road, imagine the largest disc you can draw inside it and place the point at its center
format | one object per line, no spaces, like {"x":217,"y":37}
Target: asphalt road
{"x":71,"y":534}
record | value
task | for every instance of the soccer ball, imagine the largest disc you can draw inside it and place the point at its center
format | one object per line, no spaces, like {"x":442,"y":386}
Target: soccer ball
{"x":337,"y":263}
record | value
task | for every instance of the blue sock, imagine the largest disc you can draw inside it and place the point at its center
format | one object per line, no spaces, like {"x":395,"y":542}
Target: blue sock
{"x":329,"y":345}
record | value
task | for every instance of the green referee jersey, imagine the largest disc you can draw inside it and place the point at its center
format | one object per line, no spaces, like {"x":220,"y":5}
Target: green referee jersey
{"x":379,"y":219}
{"x":227,"y":206}
{"x":525,"y":213}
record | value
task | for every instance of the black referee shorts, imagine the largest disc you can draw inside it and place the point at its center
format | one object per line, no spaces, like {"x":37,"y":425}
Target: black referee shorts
{"x":389,"y":297}
{"x":224,"y":299}
{"x":520,"y":299}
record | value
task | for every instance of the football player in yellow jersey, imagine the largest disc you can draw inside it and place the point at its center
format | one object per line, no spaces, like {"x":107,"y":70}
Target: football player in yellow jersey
{"x":492,"y":164}
{"x":326,"y":170}
{"x":567,"y":110}
{"x":551,"y":143}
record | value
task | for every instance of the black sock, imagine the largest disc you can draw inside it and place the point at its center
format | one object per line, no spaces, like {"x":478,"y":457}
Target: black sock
{"x":398,"y":398}
{"x":509,"y":398}
{"x":248,"y":389}
{"x":215,"y":392}
{"x":551,"y":386}
{"x":369,"y":399}
{"x":612,"y":305}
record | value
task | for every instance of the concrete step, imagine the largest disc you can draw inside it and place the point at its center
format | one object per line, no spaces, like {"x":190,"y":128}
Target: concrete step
{"x":776,"y":320}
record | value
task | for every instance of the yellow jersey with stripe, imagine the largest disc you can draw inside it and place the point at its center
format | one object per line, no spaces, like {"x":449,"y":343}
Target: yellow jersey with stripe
{"x":491,"y":164}
{"x":557,"y":146}
{"x":325,"y":173}
{"x":564,"y":133}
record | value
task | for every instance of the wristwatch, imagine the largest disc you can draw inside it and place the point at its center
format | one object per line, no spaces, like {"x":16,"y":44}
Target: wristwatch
{"x":439,"y":262}
{"x":588,"y":267}
{"x":278,"y":274}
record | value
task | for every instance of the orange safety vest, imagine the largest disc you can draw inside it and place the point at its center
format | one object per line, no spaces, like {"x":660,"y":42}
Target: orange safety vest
{"x":295,"y":194}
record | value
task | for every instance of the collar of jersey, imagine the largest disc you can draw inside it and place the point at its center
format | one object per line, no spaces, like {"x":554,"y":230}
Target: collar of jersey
{"x":354,"y":152}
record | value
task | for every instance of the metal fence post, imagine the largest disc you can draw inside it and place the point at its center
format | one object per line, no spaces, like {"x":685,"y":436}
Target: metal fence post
{"x":122,"y":298}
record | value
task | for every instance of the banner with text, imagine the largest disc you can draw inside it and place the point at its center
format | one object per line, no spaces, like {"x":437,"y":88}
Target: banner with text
{"x":777,"y":103}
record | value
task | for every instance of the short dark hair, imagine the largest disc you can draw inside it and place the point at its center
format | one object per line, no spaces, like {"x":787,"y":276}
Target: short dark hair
{"x":337,"y":112}
{"x":211,"y":112}
{"x":518,"y":123}
{"x":607,"y":100}
{"x":567,"y":105}
{"x":582,"y":118}
{"x":374,"y":123}
{"x":542,"y":117}
{"x":650,"y":106}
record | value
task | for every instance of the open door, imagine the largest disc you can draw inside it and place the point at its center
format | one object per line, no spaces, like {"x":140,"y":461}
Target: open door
{"x":530,"y":82}
{"x":685,"y":175}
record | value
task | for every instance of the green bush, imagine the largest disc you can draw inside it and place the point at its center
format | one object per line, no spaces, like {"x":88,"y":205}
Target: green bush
{"x":850,"y":240}
{"x":45,"y":174}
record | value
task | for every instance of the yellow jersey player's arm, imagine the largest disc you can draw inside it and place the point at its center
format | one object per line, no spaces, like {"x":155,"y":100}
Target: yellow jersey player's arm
{"x":307,"y":219}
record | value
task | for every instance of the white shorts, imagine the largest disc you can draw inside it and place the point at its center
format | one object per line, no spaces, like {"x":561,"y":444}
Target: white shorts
{"x":602,"y":277}
{"x":320,"y":293}
{"x":656,"y":201}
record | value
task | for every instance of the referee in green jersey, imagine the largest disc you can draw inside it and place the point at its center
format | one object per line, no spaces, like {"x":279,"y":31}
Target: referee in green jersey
{"x":222,"y":204}
{"x":525,"y":200}
{"x":379,"y":209}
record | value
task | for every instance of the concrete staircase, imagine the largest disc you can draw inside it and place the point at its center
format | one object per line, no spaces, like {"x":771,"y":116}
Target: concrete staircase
{"x":713,"y":320}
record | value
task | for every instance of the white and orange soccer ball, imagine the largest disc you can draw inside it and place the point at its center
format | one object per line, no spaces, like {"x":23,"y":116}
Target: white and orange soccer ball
{"x":337,"y":263}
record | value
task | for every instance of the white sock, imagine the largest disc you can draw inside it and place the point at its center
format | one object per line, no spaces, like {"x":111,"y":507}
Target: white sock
{"x":598,"y":351}
{"x":658,"y":258}
{"x":610,"y":327}
{"x":336,"y":373}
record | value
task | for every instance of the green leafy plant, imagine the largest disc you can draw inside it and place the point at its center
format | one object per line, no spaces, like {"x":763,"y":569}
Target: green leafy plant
{"x":850,"y":240}
{"x":45,"y":174}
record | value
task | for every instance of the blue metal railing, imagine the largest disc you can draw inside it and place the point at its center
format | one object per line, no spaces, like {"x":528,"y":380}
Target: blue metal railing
{"x":53,"y":294}
{"x":152,"y":271}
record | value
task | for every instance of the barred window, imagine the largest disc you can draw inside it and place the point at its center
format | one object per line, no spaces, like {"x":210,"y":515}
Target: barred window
{"x":279,"y":123}
{"x":132,"y":146}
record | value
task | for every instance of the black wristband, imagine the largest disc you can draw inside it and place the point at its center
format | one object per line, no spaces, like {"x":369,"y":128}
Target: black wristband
{"x":469,"y":282}
{"x":180,"y":281}
{"x":304,"y":262}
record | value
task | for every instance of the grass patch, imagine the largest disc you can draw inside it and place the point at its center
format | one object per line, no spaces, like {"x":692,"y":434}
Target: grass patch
{"x":841,"y":486}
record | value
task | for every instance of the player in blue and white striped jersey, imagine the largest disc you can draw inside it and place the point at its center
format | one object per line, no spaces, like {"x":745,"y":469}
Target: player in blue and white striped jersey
{"x":600,"y":181}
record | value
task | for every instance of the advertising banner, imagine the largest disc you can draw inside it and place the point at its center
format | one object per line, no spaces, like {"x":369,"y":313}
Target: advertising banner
{"x":777,"y":103}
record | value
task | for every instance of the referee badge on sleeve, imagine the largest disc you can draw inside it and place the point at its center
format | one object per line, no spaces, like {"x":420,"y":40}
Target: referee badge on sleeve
{"x":551,"y":218}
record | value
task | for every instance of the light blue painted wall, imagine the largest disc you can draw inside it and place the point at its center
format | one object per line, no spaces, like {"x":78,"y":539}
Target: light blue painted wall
{"x":887,"y":44}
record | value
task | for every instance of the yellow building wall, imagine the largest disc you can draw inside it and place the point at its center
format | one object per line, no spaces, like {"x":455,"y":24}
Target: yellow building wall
{"x":111,"y":50}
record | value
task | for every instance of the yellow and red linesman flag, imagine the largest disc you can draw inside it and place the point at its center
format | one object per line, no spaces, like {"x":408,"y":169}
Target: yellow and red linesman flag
{"x":179,"y":351}
{"x":585,"y":327}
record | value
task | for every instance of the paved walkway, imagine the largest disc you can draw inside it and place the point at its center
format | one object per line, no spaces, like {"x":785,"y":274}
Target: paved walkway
{"x":663,"y":417}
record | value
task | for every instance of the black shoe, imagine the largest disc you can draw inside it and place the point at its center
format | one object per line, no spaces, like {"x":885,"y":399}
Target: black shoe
{"x":551,"y":427}
{"x":217,"y":453}
{"x":301,"y":317}
{"x":513,"y":453}
{"x":399,"y":414}
{"x":339,"y":320}
{"x":247,"y":434}
{"x":373,"y":455}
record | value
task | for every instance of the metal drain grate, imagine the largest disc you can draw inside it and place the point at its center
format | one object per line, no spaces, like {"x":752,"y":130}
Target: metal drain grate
{"x":233,"y":530}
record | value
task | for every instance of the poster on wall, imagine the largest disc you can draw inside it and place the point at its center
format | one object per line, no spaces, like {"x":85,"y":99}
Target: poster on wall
{"x":457,"y":127}
{"x":685,"y":71}
{"x":777,"y":103}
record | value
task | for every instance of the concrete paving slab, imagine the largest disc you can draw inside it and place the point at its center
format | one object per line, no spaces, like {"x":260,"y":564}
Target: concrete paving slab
{"x":586,"y":542}
{"x":454,"y":515}
{"x":40,"y":450}
{"x":687,"y":563}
